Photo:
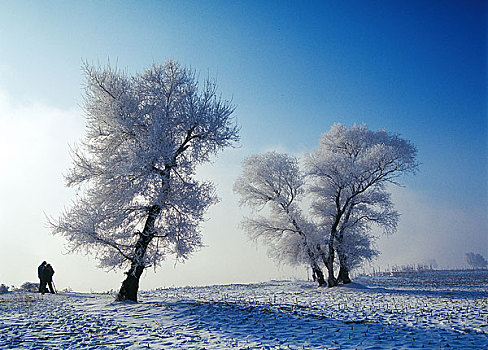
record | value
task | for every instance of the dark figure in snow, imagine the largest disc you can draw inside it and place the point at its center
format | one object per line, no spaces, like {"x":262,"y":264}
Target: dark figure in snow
{"x":47,"y":278}
{"x":40,"y":269}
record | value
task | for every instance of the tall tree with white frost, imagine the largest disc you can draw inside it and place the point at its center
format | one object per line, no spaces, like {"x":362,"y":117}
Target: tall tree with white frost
{"x":138,"y":200}
{"x":349,"y":172}
{"x":272,"y":182}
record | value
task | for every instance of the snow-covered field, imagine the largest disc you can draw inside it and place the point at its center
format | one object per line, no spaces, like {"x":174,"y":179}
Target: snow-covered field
{"x":432,"y":310}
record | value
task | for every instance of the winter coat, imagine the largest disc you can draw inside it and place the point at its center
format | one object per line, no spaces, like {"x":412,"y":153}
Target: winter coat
{"x":47,"y":273}
{"x":39,"y":270}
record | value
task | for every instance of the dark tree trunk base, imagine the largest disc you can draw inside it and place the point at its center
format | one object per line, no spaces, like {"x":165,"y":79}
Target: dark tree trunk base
{"x":129,"y":288}
{"x":344,"y":275}
{"x":331,"y":282}
{"x":319,"y":276}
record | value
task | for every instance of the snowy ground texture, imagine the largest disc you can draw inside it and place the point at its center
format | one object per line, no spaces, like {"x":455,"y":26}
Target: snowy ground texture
{"x":431,"y":310}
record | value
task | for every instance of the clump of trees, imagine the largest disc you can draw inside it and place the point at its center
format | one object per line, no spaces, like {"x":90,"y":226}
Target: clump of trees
{"x":138,"y":200}
{"x":30,"y":287}
{"x":475,"y":260}
{"x":344,"y":182}
{"x":3,"y":288}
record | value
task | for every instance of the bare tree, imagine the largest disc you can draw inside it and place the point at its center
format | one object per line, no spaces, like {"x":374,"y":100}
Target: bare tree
{"x":272,"y":182}
{"x":349,"y":173}
{"x":138,"y":200}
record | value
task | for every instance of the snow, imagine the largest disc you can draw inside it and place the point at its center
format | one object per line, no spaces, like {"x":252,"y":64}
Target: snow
{"x":432,"y":310}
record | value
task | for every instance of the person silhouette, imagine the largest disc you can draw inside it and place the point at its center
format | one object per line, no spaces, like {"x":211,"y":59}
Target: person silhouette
{"x":47,"y":278}
{"x":40,"y":269}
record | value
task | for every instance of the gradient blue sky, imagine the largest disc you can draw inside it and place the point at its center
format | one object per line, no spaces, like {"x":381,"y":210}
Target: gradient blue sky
{"x":418,"y":68}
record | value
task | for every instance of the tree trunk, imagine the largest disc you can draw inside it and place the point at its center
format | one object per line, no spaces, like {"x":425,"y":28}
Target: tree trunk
{"x":318,"y":275}
{"x":343,"y":270}
{"x":316,"y":270}
{"x":344,"y":275}
{"x":329,"y":263}
{"x":314,"y":278}
{"x":331,"y":281}
{"x":130,"y":286}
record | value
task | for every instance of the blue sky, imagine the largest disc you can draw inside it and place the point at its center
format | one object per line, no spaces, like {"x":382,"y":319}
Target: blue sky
{"x":292,"y":68}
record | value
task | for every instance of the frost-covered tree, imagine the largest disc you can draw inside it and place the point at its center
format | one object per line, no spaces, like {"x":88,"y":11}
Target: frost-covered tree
{"x":475,"y":260}
{"x":272,"y":183}
{"x":349,"y":173}
{"x":138,"y":200}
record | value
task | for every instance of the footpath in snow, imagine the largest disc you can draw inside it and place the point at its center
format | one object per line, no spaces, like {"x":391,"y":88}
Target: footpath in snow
{"x":406,"y":312}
